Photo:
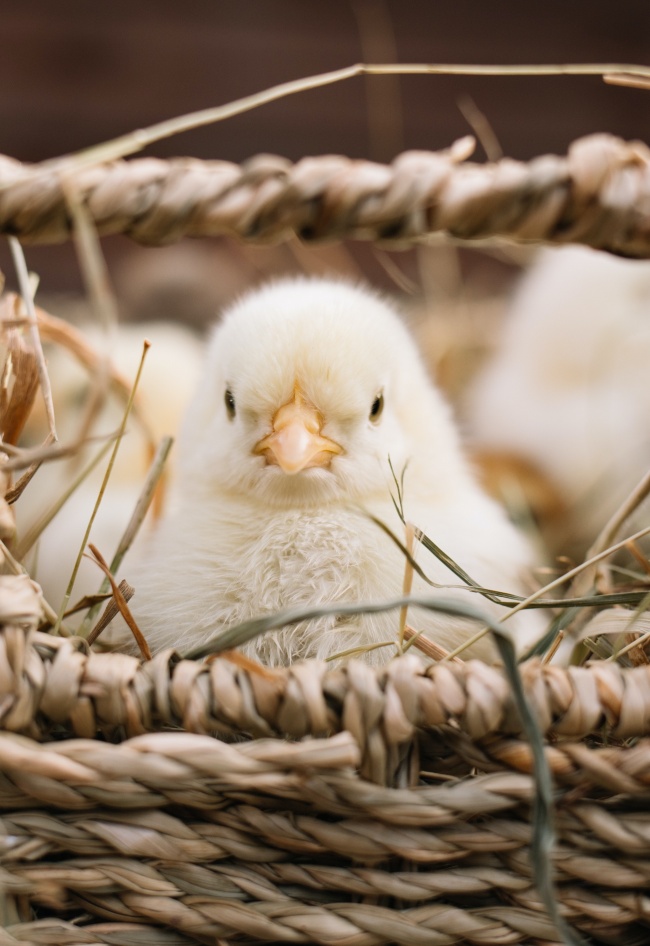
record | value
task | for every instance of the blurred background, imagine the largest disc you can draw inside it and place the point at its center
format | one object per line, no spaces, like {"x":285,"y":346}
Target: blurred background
{"x":77,"y":73}
{"x":80,"y":73}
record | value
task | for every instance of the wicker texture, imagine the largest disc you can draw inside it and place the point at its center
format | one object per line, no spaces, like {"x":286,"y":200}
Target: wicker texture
{"x":599,"y":194}
{"x":49,"y":682}
{"x":331,"y":839}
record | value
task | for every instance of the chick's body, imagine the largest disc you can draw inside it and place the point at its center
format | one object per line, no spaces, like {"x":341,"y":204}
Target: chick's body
{"x":311,"y":386}
{"x":575,"y":349}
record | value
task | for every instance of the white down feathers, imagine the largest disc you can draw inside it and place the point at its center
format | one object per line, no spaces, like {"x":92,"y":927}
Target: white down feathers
{"x":244,"y":538}
{"x":568,"y":386}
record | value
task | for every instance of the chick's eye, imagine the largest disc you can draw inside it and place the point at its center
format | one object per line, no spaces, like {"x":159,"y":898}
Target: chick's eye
{"x":377,"y":408}
{"x":229,"y":401}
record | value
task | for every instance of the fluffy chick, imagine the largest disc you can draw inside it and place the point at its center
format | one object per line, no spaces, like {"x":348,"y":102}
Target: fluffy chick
{"x":310,"y":387}
{"x":575,"y":350}
{"x":167,"y":383}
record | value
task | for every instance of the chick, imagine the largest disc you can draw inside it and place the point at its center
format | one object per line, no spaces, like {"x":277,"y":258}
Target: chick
{"x":567,"y":388}
{"x":167,"y":382}
{"x":312,"y":389}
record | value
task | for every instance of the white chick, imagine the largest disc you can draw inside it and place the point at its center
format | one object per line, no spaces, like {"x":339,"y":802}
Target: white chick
{"x":568,"y":387}
{"x":167,"y":382}
{"x":310,"y":386}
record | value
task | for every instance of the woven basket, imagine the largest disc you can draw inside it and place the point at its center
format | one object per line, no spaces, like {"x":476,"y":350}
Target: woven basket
{"x":182,"y":802}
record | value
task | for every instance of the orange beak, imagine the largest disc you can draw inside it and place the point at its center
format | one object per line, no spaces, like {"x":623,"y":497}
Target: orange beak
{"x":295,"y":442}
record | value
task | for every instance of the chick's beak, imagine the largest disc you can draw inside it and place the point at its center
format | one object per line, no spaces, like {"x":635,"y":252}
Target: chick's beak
{"x":295,"y":442}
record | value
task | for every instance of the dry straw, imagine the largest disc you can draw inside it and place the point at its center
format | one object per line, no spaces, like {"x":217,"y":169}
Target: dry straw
{"x":180,"y":801}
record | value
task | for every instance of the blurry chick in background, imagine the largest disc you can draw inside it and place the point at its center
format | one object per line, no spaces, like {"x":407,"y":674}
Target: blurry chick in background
{"x":310,"y":388}
{"x":166,"y":384}
{"x":567,"y":391}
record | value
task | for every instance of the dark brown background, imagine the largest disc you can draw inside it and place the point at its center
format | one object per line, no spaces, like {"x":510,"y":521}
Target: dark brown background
{"x":77,"y":72}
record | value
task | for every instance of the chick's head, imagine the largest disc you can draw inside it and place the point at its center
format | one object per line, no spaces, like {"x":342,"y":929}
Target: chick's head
{"x":311,"y":385}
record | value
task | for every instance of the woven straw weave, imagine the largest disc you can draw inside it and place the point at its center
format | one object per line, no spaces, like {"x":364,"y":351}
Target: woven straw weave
{"x":352,"y":806}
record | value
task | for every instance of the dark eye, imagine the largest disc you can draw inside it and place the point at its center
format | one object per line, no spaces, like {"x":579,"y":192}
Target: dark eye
{"x":377,"y":407}
{"x":229,"y":401}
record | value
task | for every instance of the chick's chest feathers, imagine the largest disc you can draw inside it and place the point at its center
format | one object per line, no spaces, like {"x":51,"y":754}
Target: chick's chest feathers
{"x":229,"y":563}
{"x":239,"y":564}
